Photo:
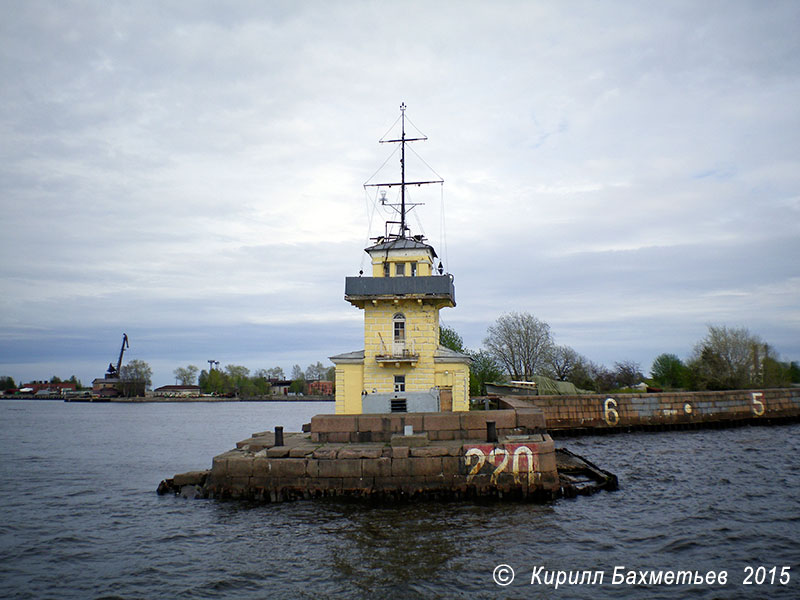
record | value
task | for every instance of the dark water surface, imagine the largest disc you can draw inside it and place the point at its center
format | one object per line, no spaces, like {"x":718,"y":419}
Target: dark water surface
{"x":79,"y":516}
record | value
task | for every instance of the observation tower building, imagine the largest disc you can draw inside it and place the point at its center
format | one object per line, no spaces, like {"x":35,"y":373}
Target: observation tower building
{"x":402,"y":367}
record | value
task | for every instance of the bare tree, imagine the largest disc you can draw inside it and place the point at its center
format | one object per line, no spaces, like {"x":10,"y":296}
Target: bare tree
{"x":520,"y":342}
{"x":727,"y":358}
{"x":627,"y":373}
{"x":186,"y":375}
{"x":562,"y":362}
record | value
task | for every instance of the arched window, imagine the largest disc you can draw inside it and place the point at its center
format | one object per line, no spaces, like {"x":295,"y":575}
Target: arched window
{"x":399,"y":322}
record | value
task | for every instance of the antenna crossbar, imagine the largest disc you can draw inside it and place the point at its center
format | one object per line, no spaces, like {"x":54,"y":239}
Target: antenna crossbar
{"x":403,"y":183}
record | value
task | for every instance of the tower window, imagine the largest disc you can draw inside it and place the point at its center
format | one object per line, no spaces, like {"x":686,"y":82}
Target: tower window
{"x":400,"y":269}
{"x":413,"y":272}
{"x":399,"y":383}
{"x":386,"y":269}
{"x":399,"y":322}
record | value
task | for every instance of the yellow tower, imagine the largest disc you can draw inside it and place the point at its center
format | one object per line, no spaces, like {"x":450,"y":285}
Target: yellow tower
{"x":402,"y":367}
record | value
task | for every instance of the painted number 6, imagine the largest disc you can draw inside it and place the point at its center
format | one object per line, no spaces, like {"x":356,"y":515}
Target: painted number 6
{"x":610,"y":414}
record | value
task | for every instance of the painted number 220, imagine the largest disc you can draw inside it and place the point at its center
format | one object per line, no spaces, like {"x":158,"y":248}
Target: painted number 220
{"x":505,"y":457}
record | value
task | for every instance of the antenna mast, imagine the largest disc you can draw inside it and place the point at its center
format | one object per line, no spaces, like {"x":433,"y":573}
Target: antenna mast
{"x":402,"y":140}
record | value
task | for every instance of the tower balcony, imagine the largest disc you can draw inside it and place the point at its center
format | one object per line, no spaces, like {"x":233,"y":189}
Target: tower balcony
{"x":358,"y":290}
{"x":397,"y":358}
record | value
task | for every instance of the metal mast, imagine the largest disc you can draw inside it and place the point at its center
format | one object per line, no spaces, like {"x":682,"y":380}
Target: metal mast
{"x":402,"y":140}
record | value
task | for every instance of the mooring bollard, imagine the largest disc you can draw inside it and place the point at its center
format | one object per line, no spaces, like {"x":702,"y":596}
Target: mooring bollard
{"x":491,"y":432}
{"x":278,"y":436}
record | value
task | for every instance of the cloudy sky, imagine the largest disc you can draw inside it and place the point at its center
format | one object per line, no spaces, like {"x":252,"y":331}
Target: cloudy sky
{"x":191,"y":173}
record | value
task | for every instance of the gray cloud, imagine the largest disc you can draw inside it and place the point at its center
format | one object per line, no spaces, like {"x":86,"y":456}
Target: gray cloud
{"x":627,"y":172}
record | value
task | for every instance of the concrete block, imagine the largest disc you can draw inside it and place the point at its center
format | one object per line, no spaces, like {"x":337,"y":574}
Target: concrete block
{"x":340,"y":468}
{"x":429,"y":451}
{"x":261,"y":467}
{"x":376,"y":467}
{"x":335,"y":437}
{"x":416,"y":420}
{"x":504,"y":419}
{"x":451,"y":465}
{"x":288,"y":467}
{"x":301,"y":451}
{"x":190,"y":478}
{"x":441,"y":421}
{"x":355,"y":453}
{"x":278,"y":452}
{"x":530,"y":418}
{"x":431,"y":465}
{"x":547,"y":462}
{"x":240,"y":466}
{"x":418,"y":439}
{"x":332,"y":423}
{"x":325,"y":453}
{"x":400,"y":451}
{"x":401,"y":467}
{"x":377,"y":423}
{"x":312,"y":468}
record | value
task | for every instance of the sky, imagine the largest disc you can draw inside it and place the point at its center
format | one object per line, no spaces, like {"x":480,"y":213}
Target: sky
{"x":191,"y":174}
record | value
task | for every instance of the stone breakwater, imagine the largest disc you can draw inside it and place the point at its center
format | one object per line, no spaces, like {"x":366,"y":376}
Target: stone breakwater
{"x":394,"y":456}
{"x":681,"y":410}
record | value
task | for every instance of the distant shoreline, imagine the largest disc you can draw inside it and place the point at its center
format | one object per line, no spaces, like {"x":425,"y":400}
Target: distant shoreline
{"x":143,"y":399}
{"x":223,"y":399}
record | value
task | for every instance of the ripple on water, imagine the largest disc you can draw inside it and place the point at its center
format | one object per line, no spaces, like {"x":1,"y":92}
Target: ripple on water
{"x":83,"y":524}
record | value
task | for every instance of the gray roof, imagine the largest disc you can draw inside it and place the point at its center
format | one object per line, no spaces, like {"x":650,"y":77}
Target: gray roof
{"x":401,"y":244}
{"x":444,"y":354}
{"x":352,"y":357}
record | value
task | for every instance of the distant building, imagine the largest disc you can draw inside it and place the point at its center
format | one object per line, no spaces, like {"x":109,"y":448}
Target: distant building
{"x":177,"y":391}
{"x":320,"y":388}
{"x":280,"y":387}
{"x":106,"y":387}
{"x":45,"y":387}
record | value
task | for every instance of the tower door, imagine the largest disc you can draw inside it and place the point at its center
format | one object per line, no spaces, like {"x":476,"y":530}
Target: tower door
{"x":446,"y":399}
{"x":399,"y":334}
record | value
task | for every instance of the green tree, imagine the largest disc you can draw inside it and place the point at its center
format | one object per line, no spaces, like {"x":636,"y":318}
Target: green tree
{"x":238,"y":380}
{"x":449,"y":338}
{"x":298,"y":385}
{"x":669,"y":371}
{"x":76,"y":381}
{"x":794,"y":372}
{"x":135,"y":378}
{"x":186,"y":375}
{"x":260,"y":384}
{"x":7,"y":383}
{"x":521,"y":343}
{"x":484,"y":369}
{"x":214,"y":382}
{"x":55,"y":379}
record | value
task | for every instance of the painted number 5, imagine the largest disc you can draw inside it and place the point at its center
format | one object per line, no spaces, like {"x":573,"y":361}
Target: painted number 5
{"x":758,"y":405}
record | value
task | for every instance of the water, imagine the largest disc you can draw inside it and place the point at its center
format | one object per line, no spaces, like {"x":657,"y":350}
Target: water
{"x":79,"y":516}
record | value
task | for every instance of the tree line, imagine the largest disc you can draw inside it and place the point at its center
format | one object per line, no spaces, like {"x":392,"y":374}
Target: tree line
{"x":518,"y":346}
{"x":236,"y":380}
{"x":7,"y":382}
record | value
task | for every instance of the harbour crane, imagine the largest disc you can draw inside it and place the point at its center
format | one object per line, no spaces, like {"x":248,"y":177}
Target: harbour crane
{"x":113,"y":372}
